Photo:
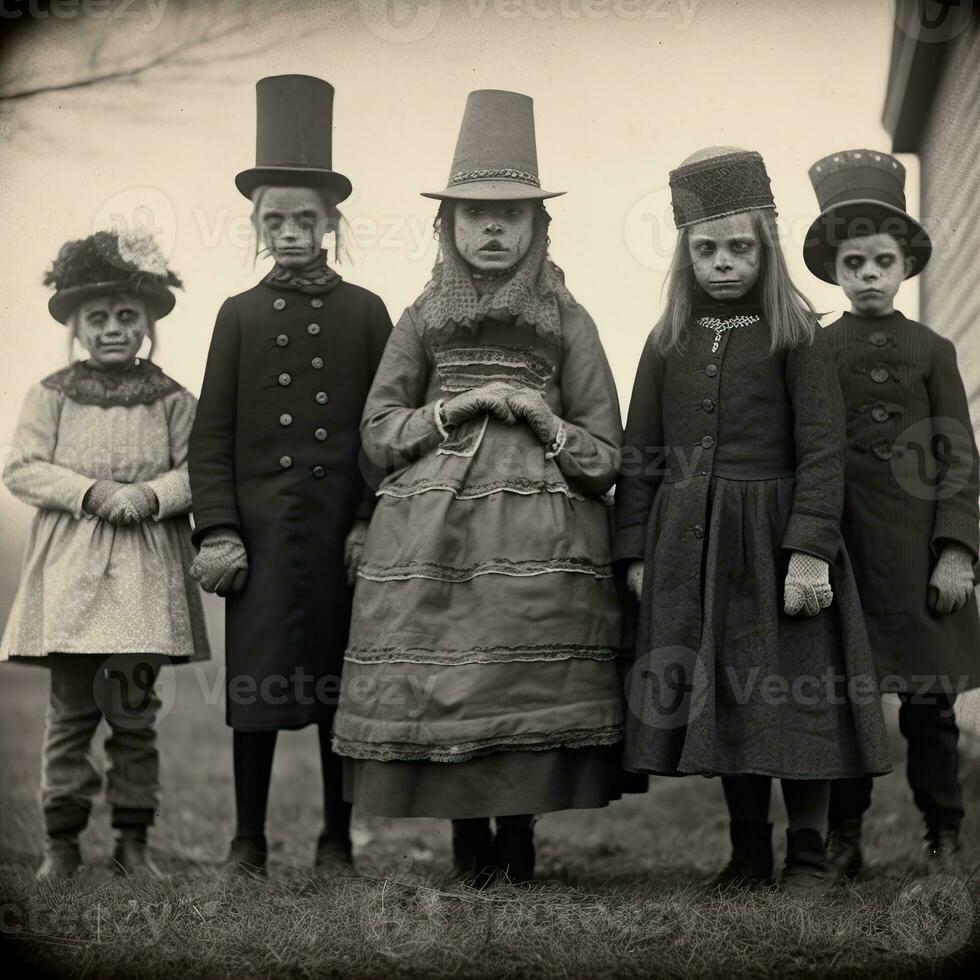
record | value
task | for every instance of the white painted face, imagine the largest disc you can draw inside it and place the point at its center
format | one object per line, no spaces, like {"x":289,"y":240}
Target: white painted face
{"x":292,"y":222}
{"x":112,"y":329}
{"x":493,"y":236}
{"x":869,"y":270}
{"x":726,"y":255}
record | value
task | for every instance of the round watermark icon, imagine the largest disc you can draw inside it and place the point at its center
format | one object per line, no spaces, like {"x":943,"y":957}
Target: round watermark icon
{"x":932,"y":458}
{"x":400,"y":21}
{"x":932,"y":917}
{"x":145,"y":210}
{"x":135,"y":690}
{"x":667,"y":688}
{"x":933,"y":21}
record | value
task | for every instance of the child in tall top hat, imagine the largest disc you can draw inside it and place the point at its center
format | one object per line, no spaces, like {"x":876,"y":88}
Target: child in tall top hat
{"x":280,"y":503}
{"x":911,"y":517}
{"x":104,"y":598}
{"x":485,"y":616}
{"x":750,"y":637}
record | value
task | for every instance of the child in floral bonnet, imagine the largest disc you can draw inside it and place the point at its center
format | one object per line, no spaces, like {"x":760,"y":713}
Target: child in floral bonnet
{"x":100,"y":450}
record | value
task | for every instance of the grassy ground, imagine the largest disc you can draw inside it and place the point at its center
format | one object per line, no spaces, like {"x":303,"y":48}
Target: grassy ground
{"x":620,"y":891}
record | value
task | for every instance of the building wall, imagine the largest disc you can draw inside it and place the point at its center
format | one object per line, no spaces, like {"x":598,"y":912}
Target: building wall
{"x":950,"y":187}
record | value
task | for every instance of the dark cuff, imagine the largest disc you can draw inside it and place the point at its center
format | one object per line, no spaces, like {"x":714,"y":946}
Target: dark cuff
{"x":954,"y":526}
{"x":629,"y":543}
{"x":207,"y":520}
{"x":817,"y":536}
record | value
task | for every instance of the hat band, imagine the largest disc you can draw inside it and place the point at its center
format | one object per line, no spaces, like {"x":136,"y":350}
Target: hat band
{"x":521,"y":176}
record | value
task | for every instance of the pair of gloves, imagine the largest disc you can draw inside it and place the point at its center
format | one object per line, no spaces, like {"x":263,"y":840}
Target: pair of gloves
{"x":806,"y":589}
{"x":221,"y":565}
{"x":120,"y":503}
{"x":507,"y":403}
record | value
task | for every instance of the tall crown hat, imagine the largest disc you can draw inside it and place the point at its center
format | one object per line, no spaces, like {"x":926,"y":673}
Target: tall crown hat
{"x":496,"y":156}
{"x":294,"y":137}
{"x":716,"y":182}
{"x":110,"y":262}
{"x":860,"y":193}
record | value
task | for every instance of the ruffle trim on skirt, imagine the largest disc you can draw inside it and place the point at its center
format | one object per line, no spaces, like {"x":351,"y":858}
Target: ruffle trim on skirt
{"x":462,"y":752}
{"x":478,"y":655}
{"x":441,"y":572}
{"x":464,"y":490}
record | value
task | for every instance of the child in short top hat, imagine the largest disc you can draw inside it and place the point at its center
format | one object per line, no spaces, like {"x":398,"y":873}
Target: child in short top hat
{"x":104,"y":598}
{"x":910,"y":519}
{"x":750,"y":640}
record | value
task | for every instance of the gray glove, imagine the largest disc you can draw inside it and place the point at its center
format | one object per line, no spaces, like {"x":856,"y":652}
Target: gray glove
{"x":132,"y":503}
{"x":221,"y":566}
{"x":807,"y":587}
{"x":97,"y":499}
{"x":951,"y":582}
{"x":487,"y":399}
{"x":532,"y":408}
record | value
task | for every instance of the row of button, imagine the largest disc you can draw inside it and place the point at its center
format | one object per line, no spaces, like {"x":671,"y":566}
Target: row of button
{"x":287,"y":461}
{"x":280,"y":304}
{"x":282,"y":340}
{"x":286,"y":378}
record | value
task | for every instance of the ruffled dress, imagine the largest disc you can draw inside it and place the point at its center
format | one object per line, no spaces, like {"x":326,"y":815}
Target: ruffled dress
{"x":481,"y":676}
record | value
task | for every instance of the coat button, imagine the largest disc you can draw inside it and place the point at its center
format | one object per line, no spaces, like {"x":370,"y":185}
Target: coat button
{"x":285,"y":419}
{"x":879,"y":413}
{"x":708,"y":405}
{"x":321,"y":434}
{"x":316,"y":303}
{"x":698,"y":531}
{"x":317,"y":362}
{"x":321,"y":398}
{"x":313,"y":329}
{"x":319,"y":472}
{"x":279,"y":304}
{"x":707,"y":442}
{"x":285,"y":462}
{"x":878,"y":338}
{"x":711,"y":370}
{"x":285,"y":379}
{"x":879,"y":374}
{"x":883,"y":452}
{"x":282,"y":340}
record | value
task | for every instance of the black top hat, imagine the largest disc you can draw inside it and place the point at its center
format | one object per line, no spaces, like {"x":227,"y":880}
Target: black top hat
{"x":110,"y":262}
{"x":496,"y":156}
{"x":293,"y":137}
{"x":860,"y":193}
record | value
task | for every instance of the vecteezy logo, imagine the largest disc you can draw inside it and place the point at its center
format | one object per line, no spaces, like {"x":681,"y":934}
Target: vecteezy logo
{"x":932,"y":458}
{"x":932,"y":917}
{"x":667,"y":688}
{"x":933,"y":21}
{"x":144,"y":209}
{"x":400,"y":21}
{"x":135,"y":691}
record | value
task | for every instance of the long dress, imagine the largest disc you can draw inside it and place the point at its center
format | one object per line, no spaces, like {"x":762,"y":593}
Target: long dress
{"x":734,"y":460}
{"x":481,"y":675}
{"x":89,"y":587}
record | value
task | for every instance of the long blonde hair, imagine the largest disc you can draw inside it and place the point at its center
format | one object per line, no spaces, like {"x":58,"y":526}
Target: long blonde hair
{"x":791,"y":316}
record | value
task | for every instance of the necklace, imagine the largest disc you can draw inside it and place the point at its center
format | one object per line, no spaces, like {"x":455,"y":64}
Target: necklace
{"x":722,"y":325}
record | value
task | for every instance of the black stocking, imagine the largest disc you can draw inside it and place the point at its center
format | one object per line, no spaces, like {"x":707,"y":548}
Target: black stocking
{"x":253,"y":752}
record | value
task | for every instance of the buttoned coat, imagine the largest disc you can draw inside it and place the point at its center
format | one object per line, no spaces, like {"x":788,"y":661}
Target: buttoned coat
{"x":911,"y":476}
{"x":274,"y":454}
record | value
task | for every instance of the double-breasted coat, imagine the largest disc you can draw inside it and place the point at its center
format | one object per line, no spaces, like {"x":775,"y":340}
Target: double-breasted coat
{"x":911,"y":476}
{"x":274,"y":454}
{"x":733,"y":460}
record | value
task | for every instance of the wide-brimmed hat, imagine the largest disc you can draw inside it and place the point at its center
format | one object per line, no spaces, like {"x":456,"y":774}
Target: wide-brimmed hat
{"x":496,"y":156}
{"x":860,"y":193}
{"x":294,"y":137}
{"x":716,"y":182}
{"x":110,"y":262}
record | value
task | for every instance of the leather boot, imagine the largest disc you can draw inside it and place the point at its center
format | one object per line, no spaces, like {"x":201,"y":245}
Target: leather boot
{"x":844,"y":848}
{"x":332,"y":852}
{"x":942,"y":852}
{"x":515,"y":848}
{"x":131,"y":857}
{"x":751,"y":862}
{"x":247,"y":858}
{"x":807,"y":870}
{"x":61,"y":858}
{"x":474,"y":854}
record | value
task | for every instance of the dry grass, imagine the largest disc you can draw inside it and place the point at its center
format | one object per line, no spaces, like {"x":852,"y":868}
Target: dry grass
{"x":620,"y":892}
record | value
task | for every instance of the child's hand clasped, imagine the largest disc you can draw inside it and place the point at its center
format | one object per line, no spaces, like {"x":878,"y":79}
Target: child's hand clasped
{"x":532,"y":408}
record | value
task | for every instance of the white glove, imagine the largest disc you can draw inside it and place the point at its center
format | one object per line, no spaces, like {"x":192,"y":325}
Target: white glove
{"x":807,"y":586}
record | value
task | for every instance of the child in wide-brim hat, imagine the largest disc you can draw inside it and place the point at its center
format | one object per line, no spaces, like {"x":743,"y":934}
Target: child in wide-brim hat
{"x":750,"y":638}
{"x":104,"y":599}
{"x":911,"y":515}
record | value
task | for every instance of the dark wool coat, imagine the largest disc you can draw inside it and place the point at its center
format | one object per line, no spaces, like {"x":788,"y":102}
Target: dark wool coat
{"x":275,"y":455}
{"x":734,"y":460}
{"x":911,"y":487}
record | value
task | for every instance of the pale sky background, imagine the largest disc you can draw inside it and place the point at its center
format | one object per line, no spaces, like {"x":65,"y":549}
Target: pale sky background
{"x":623,"y":91}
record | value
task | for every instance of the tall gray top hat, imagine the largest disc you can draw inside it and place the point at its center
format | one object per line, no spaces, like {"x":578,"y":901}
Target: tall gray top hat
{"x":860,"y":193}
{"x":293,"y":137}
{"x":496,"y":157}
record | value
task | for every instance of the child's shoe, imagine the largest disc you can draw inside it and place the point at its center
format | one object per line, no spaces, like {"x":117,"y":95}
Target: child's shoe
{"x":942,"y":852}
{"x":844,"y":848}
{"x":474,"y":851}
{"x":61,"y":858}
{"x":807,"y":870}
{"x":131,"y":857}
{"x":331,"y":852}
{"x":515,"y":848}
{"x":247,"y":858}
{"x":751,"y":862}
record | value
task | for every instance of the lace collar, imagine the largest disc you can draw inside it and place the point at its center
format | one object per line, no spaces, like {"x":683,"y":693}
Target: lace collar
{"x":315,"y":277}
{"x":141,"y":384}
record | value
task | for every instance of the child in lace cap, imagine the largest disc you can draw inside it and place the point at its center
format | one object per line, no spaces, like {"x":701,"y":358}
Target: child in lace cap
{"x":104,"y":599}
